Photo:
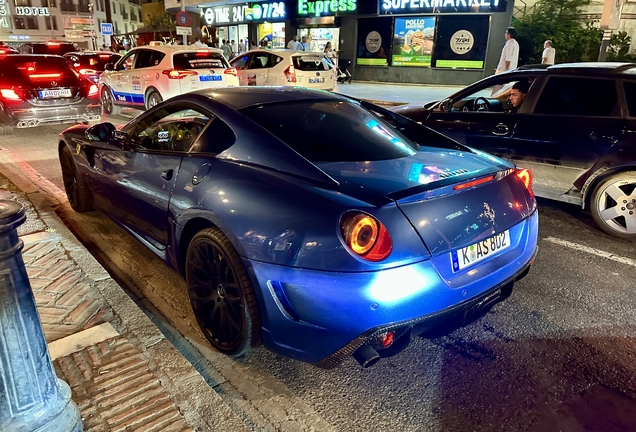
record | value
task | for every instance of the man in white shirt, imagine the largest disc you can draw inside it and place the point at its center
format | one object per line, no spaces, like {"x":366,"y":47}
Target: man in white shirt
{"x":198,"y":43}
{"x":548,"y":53}
{"x":293,"y":44}
{"x":509,"y":53}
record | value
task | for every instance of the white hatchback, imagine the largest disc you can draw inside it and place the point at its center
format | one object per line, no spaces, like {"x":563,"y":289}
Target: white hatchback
{"x":148,"y":75}
{"x":285,"y":68}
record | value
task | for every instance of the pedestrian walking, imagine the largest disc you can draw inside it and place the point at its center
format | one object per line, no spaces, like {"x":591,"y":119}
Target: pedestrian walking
{"x":548,"y":53}
{"x":227,"y":50}
{"x":329,"y":51}
{"x":234,"y":47}
{"x":293,"y":44}
{"x":253,"y":45}
{"x":510,"y":52}
{"x":241,"y":46}
{"x":303,"y":44}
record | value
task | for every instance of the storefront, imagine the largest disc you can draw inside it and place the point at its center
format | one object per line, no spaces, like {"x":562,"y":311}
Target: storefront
{"x":428,"y":41}
{"x":262,"y":21}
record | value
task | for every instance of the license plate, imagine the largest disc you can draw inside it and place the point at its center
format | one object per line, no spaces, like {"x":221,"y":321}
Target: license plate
{"x":316,"y":80}
{"x":466,"y":257}
{"x":210,"y":78}
{"x":56,"y":93}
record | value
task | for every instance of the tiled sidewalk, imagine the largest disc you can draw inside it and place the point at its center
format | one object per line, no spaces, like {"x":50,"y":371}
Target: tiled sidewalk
{"x":124,"y":374}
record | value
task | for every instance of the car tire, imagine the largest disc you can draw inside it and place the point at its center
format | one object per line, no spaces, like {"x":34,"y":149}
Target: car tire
{"x":613,"y":205}
{"x":76,"y":190}
{"x":6,"y":130}
{"x":108,"y":102}
{"x":221,"y":293}
{"x":152,"y":99}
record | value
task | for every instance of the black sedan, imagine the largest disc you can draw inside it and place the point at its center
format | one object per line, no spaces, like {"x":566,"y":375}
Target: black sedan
{"x":36,"y":89}
{"x":573,"y":125}
{"x":91,"y":63}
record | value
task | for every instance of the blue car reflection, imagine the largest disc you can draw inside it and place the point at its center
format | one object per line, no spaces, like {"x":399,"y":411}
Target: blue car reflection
{"x":320,"y":226}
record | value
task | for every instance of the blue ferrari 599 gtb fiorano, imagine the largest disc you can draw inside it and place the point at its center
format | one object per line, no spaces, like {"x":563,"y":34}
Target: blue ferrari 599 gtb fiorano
{"x":318,"y":225}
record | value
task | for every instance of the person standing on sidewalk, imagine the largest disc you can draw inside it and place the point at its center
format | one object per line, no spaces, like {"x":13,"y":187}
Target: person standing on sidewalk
{"x":293,"y":44}
{"x":548,"y":53}
{"x":509,"y":53}
{"x":227,"y":49}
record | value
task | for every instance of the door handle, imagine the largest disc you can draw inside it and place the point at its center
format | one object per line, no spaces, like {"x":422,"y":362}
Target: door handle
{"x":167,"y":175}
{"x":500,"y":129}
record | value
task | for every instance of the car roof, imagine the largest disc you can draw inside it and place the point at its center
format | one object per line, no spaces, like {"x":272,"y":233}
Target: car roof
{"x":585,"y":69}
{"x":171,"y":49}
{"x":243,"y":97}
{"x":286,"y":52}
{"x":81,"y":53}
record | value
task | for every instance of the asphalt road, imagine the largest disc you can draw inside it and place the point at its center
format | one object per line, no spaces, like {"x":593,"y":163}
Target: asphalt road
{"x":560,"y":354}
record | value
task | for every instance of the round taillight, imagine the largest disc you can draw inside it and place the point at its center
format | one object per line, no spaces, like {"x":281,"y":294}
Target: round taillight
{"x":366,"y":236}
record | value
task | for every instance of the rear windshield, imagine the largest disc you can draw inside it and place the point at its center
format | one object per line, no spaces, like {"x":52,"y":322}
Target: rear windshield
{"x":310,"y":63}
{"x":35,"y":69}
{"x":199,"y":60}
{"x":92,"y":61}
{"x":331,"y":131}
{"x":46,"y":48}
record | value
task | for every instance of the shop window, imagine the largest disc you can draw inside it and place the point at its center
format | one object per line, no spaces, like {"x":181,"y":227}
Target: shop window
{"x":84,"y":6}
{"x":67,"y":6}
{"x":49,"y":3}
{"x":32,"y":23}
{"x":579,"y":97}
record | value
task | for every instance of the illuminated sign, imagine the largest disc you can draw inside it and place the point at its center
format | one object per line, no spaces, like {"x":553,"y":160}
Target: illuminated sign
{"x":427,"y":6}
{"x":325,"y":7}
{"x":32,"y":11}
{"x":266,"y":11}
{"x":4,"y":13}
{"x":220,"y":15}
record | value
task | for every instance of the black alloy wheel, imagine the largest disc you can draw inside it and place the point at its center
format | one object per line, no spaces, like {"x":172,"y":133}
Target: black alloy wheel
{"x":76,"y":190}
{"x":108,"y":102}
{"x":221,"y":294}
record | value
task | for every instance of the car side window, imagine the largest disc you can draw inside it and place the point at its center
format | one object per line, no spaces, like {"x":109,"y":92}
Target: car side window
{"x":174,"y":128}
{"x":144,"y":58}
{"x":127,"y":62}
{"x":157,"y":57}
{"x":240,"y":62}
{"x":579,"y":97}
{"x":494,"y":98}
{"x":218,"y":136}
{"x":630,"y":94}
{"x":259,"y":61}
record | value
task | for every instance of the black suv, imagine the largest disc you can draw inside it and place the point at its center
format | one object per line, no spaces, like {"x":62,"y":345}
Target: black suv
{"x":575,"y":130}
{"x":51,"y":47}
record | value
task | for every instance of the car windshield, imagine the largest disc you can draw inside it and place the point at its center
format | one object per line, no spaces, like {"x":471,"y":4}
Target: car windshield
{"x":332,"y":131}
{"x":199,"y":60}
{"x":309,"y":62}
{"x":92,"y":61}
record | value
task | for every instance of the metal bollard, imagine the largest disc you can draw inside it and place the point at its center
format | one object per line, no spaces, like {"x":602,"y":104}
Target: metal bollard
{"x":32,"y":398}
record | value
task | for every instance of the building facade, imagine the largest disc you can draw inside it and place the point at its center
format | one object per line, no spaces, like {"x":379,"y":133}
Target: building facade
{"x":416,"y":41}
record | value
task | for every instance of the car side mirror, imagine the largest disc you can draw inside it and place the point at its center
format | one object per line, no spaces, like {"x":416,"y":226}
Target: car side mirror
{"x":103,"y":132}
{"x":445,"y":105}
{"x":109,"y":66}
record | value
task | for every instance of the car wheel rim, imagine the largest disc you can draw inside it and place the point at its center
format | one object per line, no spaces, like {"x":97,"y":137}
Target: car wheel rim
{"x":69,"y":178}
{"x":153,"y":101}
{"x":107,"y":103}
{"x":617,"y":206}
{"x":216,"y":296}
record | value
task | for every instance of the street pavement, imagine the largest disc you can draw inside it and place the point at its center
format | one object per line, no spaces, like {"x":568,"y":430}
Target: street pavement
{"x":397,"y":93}
{"x":558,"y":355}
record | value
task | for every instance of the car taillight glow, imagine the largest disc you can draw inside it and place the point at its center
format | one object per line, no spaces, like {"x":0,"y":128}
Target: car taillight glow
{"x":366,"y":236}
{"x":10,"y":95}
{"x":53,"y":43}
{"x":87,"y":71}
{"x":93,"y":91}
{"x":179,"y":74}
{"x":231,"y":71}
{"x":44,"y":75}
{"x":473,"y":183}
{"x":525,"y":175}
{"x":104,"y":56}
{"x":290,"y":73}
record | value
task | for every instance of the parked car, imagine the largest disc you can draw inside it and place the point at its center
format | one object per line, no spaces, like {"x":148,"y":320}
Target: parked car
{"x":576,"y":131}
{"x":36,"y":89}
{"x":302,"y":219}
{"x":148,"y":75}
{"x":50,"y":47}
{"x":285,"y":68}
{"x":91,"y":64}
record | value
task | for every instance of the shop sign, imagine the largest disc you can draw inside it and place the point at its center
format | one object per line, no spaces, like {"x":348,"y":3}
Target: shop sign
{"x":4,"y":14}
{"x":32,"y":11}
{"x":413,"y":41}
{"x":266,"y":11}
{"x":307,"y":8}
{"x":461,"y":41}
{"x":219,"y":15}
{"x":437,"y":6}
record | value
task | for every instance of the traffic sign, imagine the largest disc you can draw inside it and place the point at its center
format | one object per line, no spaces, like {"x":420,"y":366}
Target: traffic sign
{"x":184,"y":31}
{"x":107,"y":29}
{"x":183,"y":18}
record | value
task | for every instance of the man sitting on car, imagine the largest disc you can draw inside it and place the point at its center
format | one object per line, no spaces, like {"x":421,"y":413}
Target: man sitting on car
{"x":518,"y":95}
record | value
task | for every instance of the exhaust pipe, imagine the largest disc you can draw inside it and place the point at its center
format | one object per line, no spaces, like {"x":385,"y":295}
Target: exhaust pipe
{"x":366,"y":356}
{"x":22,"y":124}
{"x":33,"y":123}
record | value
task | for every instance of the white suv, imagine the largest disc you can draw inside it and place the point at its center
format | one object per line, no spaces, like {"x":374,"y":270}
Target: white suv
{"x":148,"y":75}
{"x":285,"y":68}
